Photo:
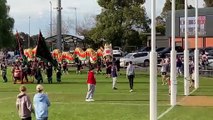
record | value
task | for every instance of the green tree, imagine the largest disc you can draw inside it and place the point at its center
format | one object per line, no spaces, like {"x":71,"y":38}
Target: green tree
{"x":6,"y":26}
{"x":208,"y":3}
{"x":180,"y":4}
{"x":121,"y":22}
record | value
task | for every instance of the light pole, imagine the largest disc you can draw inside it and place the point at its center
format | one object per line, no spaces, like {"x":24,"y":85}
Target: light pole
{"x":76,"y":22}
{"x":29,"y":34}
{"x":51,"y":18}
{"x":59,"y":8}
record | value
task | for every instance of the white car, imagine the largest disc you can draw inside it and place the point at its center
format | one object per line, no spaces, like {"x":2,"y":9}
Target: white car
{"x":138,"y":58}
{"x":117,"y":52}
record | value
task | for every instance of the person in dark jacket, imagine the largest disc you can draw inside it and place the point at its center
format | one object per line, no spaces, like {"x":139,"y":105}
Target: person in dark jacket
{"x":58,"y":73}
{"x":49,"y":71}
{"x":114,"y":76}
{"x":38,"y":75}
{"x":4,"y":72}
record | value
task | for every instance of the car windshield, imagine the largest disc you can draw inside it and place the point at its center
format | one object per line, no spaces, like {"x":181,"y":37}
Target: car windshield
{"x":128,"y":55}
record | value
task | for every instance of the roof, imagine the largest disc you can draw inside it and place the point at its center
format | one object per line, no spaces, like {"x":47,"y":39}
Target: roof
{"x":67,"y":38}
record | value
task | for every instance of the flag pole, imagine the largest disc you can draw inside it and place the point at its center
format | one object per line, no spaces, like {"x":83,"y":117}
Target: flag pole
{"x":153,"y":66}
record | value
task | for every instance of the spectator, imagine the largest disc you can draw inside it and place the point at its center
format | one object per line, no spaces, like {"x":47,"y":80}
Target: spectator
{"x":4,"y":72}
{"x":23,"y":104}
{"x":58,"y":73}
{"x":38,"y":75}
{"x":49,"y":71}
{"x":91,"y":83}
{"x":41,"y":103}
{"x":130,"y":73}
{"x":114,"y":75}
{"x":163,"y":71}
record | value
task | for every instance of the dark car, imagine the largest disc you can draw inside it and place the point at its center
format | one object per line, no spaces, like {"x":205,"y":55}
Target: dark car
{"x":159,"y":49}
{"x":162,"y":54}
{"x":144,"y":49}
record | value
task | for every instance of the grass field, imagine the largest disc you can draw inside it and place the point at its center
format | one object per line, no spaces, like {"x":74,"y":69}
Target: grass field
{"x":68,"y":99}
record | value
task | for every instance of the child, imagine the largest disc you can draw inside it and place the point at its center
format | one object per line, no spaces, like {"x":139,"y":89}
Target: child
{"x":91,"y":82}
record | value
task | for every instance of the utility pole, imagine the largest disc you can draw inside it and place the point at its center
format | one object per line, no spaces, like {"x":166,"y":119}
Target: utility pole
{"x":59,"y":37}
{"x":51,"y":18}
{"x":29,"y":34}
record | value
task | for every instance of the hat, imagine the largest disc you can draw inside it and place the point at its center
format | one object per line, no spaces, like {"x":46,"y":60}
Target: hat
{"x":39,"y":88}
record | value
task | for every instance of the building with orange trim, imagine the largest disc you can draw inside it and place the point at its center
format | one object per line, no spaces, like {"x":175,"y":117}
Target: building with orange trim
{"x":205,"y":27}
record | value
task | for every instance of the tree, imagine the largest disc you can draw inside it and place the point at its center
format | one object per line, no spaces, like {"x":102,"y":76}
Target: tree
{"x":180,"y":4}
{"x":6,"y":26}
{"x":208,"y":3}
{"x":120,"y":22}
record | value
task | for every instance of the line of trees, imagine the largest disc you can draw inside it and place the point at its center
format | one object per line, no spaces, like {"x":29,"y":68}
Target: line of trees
{"x":121,"y":22}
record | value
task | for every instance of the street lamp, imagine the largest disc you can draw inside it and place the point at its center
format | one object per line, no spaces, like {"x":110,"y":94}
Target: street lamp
{"x":51,"y":19}
{"x":59,"y":8}
{"x":29,"y":34}
{"x":76,"y":24}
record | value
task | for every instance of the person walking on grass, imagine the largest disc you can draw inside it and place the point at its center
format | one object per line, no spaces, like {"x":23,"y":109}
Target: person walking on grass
{"x":130,"y":73}
{"x":4,"y":72}
{"x":114,"y":75}
{"x":163,"y":71}
{"x":23,"y":104}
{"x":49,"y":71}
{"x":41,"y":103}
{"x":91,"y":83}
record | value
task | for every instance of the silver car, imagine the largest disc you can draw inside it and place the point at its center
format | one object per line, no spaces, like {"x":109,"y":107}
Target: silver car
{"x":138,"y":58}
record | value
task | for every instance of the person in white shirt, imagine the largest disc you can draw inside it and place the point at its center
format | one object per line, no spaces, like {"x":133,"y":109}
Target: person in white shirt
{"x":130,"y":73}
{"x":163,"y":71}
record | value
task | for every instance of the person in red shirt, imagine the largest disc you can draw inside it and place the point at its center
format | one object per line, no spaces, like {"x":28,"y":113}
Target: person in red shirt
{"x":91,"y":83}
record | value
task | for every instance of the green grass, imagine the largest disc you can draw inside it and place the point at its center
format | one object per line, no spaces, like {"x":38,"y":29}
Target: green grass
{"x":68,"y":99}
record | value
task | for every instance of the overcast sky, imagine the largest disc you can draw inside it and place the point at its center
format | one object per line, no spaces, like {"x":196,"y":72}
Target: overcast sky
{"x":39,"y":12}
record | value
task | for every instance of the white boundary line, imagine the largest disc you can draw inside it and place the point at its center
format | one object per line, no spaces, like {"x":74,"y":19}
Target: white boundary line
{"x":164,"y":113}
{"x":170,"y":108}
{"x":104,"y":103}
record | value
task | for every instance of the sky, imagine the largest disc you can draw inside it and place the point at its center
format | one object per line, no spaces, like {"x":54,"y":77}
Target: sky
{"x":34,"y":15}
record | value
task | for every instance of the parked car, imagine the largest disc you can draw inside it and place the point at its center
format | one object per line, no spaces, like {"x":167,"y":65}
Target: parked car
{"x":162,"y":54}
{"x":159,"y":49}
{"x":137,"y":58}
{"x":117,"y":52}
{"x":144,"y":49}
